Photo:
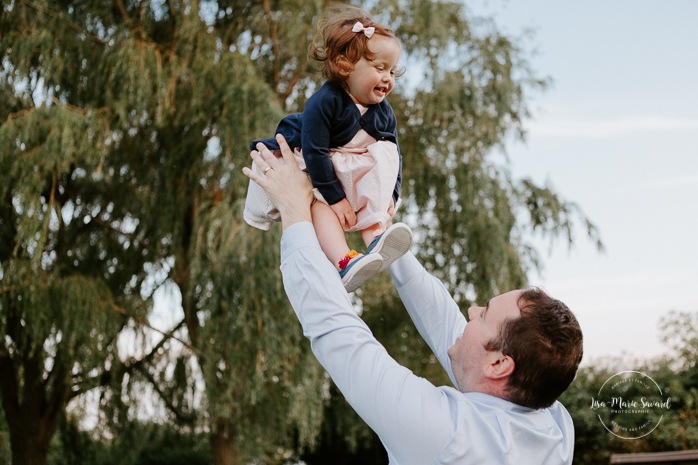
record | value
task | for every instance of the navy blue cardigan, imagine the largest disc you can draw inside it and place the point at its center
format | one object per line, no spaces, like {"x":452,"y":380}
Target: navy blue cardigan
{"x":331,"y":119}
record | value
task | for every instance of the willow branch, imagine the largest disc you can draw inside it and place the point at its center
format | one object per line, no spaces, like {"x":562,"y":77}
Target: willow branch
{"x":188,"y":418}
{"x":122,"y":10}
{"x":145,"y":322}
{"x":273,"y":35}
{"x":70,"y":24}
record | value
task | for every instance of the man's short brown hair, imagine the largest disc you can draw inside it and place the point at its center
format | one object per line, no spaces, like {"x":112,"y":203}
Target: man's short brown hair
{"x":546,"y":345}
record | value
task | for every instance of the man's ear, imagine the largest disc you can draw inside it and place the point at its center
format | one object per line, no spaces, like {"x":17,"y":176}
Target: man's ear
{"x":499,"y":365}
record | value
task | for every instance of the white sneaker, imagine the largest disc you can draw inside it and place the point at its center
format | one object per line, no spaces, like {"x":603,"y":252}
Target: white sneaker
{"x":392,"y":244}
{"x":360,"y":269}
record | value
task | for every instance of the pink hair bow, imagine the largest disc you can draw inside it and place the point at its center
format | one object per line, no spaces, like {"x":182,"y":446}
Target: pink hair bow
{"x":368,"y":31}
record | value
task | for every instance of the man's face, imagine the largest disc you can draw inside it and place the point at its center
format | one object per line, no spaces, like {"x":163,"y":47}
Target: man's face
{"x":468,"y":355}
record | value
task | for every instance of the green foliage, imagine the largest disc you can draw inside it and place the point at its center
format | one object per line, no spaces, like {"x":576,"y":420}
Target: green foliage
{"x":125,"y":129}
{"x":148,"y":444}
{"x":124,"y":126}
{"x":174,"y":448}
{"x":679,"y":331}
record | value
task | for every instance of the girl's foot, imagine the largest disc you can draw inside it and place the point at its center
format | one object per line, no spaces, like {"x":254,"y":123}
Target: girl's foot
{"x":358,"y":269}
{"x":392,"y":244}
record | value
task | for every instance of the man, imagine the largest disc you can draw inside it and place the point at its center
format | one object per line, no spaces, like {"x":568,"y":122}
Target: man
{"x":510,"y":362}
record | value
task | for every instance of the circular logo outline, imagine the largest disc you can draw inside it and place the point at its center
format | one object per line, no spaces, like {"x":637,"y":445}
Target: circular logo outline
{"x":633,"y":402}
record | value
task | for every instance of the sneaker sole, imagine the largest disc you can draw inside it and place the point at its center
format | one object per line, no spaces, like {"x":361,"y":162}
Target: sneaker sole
{"x":363,"y":269}
{"x":395,"y":243}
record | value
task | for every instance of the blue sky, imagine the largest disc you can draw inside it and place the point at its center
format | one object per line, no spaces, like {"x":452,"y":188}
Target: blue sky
{"x":616,"y":133}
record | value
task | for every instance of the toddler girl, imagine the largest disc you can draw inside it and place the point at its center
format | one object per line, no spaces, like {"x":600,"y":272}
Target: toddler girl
{"x":346,"y":140}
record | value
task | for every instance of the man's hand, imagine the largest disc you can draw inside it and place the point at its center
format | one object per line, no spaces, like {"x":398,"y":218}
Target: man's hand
{"x":345,"y":213}
{"x":289,"y":188}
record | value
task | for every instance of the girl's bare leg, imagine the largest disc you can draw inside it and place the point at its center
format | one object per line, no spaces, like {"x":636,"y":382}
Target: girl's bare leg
{"x":329,"y":232}
{"x":371,"y":233}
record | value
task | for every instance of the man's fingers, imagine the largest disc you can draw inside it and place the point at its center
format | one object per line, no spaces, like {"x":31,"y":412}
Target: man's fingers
{"x":286,"y":151}
{"x":258,"y":157}
{"x":267,"y":159}
{"x":264,"y":156}
{"x":256,"y":177}
{"x":261,"y":163}
{"x":248,"y":172}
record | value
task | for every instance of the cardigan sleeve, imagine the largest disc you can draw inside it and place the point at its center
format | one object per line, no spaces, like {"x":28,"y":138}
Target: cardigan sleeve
{"x":316,"y":135}
{"x":290,"y":127}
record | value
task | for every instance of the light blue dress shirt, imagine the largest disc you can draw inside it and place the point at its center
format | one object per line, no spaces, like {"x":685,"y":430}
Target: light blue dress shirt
{"x":417,"y":422}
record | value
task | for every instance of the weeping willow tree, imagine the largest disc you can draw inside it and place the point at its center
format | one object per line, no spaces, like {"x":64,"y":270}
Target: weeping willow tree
{"x":124,"y":128}
{"x":124,"y":125}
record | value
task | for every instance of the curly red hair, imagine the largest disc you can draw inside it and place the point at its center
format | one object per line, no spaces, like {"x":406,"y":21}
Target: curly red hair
{"x":338,"y":47}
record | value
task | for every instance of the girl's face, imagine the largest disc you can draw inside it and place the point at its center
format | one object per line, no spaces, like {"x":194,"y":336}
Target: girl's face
{"x":371,"y":81}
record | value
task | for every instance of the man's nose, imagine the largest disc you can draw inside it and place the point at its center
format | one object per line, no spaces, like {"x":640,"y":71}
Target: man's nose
{"x":473,"y":312}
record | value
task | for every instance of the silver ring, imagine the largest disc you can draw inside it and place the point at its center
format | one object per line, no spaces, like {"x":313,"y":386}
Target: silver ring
{"x":267,"y":169}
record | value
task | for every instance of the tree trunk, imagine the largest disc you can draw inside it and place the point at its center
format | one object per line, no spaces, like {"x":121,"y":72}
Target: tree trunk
{"x":222,"y":443}
{"x":30,"y":440}
{"x":32,"y":417}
